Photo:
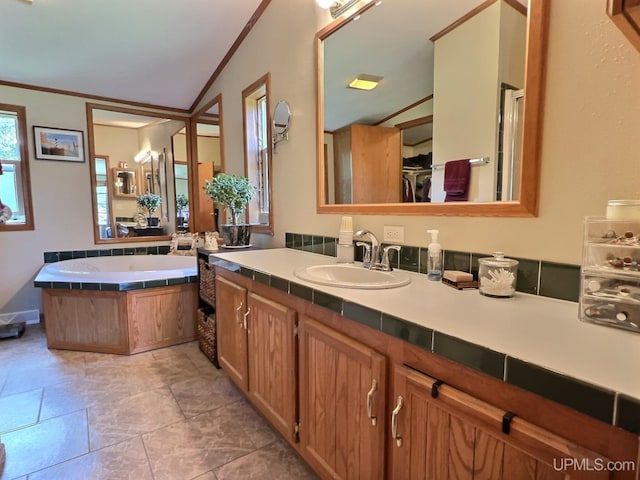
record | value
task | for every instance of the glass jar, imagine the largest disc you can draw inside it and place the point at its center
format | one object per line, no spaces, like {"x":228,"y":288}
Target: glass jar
{"x":623,"y":210}
{"x":497,"y":276}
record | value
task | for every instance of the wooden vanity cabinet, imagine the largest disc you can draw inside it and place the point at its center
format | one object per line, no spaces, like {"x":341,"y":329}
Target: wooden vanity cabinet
{"x":441,"y":432}
{"x":318,"y":390}
{"x":342,"y":404}
{"x":231,"y":307}
{"x":257,"y":348}
{"x":272,"y":359}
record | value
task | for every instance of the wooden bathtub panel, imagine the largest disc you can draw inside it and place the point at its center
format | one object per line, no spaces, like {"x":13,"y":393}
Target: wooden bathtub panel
{"x":86,"y":320}
{"x":162,"y":320}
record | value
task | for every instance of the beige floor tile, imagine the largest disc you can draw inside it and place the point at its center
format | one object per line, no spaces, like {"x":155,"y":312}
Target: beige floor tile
{"x":40,"y":376}
{"x":126,"y":460}
{"x":19,"y":410}
{"x":111,"y":423}
{"x":45,"y":444}
{"x":92,"y":400}
{"x":198,"y":445}
{"x":275,"y":461}
{"x":198,"y":395}
{"x":258,"y":430}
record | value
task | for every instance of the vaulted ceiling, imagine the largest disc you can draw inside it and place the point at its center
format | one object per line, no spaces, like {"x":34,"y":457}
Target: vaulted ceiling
{"x":159,"y":52}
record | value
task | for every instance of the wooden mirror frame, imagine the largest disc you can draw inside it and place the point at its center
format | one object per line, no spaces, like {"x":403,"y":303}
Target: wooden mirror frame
{"x":527,"y":205}
{"x":626,"y":15}
{"x":92,"y":170}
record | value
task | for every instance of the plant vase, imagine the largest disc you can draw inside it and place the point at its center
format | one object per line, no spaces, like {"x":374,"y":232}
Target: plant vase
{"x":152,"y":221}
{"x":236,"y":235}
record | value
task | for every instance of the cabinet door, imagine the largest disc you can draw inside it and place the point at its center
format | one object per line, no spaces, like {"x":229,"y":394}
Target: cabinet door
{"x":231,"y":306}
{"x":342,"y":404}
{"x":273,"y":362}
{"x":457,"y":436}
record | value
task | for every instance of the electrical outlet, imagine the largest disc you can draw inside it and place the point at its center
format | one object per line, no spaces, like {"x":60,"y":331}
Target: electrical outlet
{"x":393,"y":234}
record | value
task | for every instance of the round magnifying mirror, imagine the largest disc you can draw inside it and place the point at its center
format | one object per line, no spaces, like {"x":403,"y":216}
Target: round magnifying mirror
{"x":281,"y":117}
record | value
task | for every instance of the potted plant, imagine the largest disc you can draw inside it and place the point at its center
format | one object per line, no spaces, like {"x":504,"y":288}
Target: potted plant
{"x":181,"y":203}
{"x":233,"y":193}
{"x":149,"y":202}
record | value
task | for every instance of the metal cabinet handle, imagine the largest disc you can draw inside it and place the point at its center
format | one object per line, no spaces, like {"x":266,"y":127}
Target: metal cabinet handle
{"x":237,"y":313}
{"x":394,"y":421}
{"x":244,"y":321}
{"x":374,"y":387}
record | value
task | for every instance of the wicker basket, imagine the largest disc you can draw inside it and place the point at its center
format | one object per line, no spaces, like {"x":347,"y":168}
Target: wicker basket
{"x":207,"y":334}
{"x":207,"y":282}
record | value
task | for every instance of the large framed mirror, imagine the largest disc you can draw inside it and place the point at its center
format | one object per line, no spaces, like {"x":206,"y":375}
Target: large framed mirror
{"x":207,"y":153}
{"x":455,"y":81}
{"x":132,"y":154}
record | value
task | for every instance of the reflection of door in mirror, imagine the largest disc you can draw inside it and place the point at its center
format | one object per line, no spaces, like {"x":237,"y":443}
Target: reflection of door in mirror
{"x":181,"y":179}
{"x":367,"y":164}
{"x":207,"y":160}
{"x":462,"y":53}
{"x":257,"y":152}
{"x":135,"y":151}
{"x":209,"y":164}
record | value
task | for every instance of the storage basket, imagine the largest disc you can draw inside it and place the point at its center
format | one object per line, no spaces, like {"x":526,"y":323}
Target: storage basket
{"x":207,"y":334}
{"x":207,"y":280}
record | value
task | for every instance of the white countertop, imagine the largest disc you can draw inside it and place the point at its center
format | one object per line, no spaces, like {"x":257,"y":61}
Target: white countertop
{"x":539,"y":330}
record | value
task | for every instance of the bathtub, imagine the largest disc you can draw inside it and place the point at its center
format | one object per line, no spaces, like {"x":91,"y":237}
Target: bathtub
{"x":119,"y":269}
{"x":119,"y":304}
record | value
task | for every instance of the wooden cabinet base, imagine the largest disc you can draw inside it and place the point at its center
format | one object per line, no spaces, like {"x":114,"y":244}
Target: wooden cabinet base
{"x":120,"y":322}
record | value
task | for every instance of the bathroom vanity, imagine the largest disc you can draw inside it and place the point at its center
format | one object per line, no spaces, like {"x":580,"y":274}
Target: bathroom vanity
{"x":425,"y":381}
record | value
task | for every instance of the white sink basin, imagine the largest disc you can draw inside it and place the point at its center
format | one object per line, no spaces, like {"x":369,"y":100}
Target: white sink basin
{"x":351,"y":276}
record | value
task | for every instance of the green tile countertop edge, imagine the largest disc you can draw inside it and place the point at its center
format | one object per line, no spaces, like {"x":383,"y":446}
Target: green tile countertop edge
{"x":602,"y":404}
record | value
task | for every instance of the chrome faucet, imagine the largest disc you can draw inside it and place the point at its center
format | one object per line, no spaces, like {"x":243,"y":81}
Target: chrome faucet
{"x":385,"y":265}
{"x":371,"y":256}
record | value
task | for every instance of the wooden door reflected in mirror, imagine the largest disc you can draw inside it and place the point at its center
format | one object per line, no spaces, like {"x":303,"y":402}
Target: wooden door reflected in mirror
{"x":207,"y":161}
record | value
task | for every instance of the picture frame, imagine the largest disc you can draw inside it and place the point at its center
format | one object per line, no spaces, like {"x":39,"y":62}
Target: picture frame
{"x":58,"y":144}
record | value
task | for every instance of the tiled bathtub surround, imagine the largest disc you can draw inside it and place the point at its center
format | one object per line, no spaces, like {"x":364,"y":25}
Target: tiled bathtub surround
{"x":536,"y":277}
{"x":53,"y":257}
{"x":605,"y":405}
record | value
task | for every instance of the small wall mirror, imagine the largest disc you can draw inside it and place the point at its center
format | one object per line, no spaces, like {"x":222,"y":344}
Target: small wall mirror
{"x":281,"y":123}
{"x":125,"y":182}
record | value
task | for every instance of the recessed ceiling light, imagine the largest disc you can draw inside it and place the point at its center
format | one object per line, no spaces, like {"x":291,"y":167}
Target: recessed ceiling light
{"x":364,"y":81}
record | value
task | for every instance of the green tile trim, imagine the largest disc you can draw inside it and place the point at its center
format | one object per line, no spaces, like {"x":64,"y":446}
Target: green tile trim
{"x":582,"y":396}
{"x":53,"y":257}
{"x":627,"y":413}
{"x":407,"y":331}
{"x":279,"y":283}
{"x":327,"y":301}
{"x":362,"y":314}
{"x":531,"y":272}
{"x":470,"y":354}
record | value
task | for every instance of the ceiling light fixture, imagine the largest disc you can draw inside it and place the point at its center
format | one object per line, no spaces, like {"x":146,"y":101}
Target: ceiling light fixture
{"x":364,"y":81}
{"x":143,"y":156}
{"x":337,"y":7}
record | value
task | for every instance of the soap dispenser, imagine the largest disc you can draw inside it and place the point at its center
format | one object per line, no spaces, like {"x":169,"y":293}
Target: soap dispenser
{"x":434,"y":257}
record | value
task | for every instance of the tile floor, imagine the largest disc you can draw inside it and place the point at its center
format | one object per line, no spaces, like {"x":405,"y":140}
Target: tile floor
{"x":166,"y":414}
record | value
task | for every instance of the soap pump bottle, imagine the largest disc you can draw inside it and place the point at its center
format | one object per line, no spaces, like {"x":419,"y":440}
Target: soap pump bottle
{"x":434,"y":257}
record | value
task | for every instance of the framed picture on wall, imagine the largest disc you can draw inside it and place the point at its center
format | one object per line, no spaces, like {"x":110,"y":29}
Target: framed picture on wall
{"x":59,"y":144}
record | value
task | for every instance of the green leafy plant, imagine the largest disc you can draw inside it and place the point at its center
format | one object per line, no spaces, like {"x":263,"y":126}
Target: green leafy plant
{"x":181,"y":201}
{"x":230,"y":191}
{"x":149,"y":202}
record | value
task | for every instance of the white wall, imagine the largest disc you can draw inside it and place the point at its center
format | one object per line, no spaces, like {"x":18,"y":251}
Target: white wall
{"x":61,"y":201}
{"x":590,"y":143}
{"x":589,"y":153}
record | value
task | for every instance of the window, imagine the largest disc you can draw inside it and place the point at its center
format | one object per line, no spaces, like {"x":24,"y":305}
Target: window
{"x":15,"y":192}
{"x":258,"y":153}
